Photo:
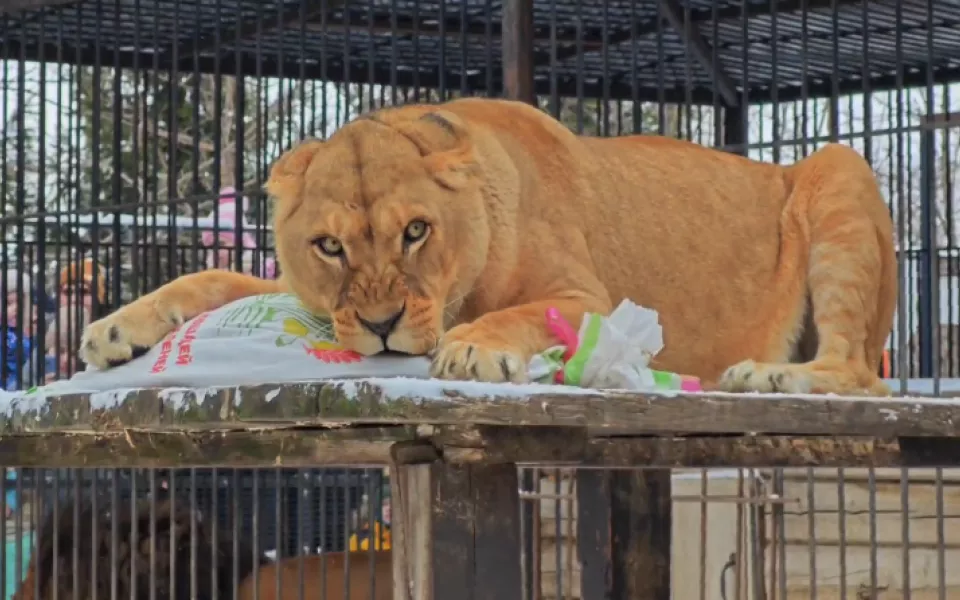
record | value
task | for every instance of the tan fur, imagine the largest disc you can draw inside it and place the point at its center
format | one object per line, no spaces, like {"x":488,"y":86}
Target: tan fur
{"x":735,"y":255}
{"x":324,"y":576}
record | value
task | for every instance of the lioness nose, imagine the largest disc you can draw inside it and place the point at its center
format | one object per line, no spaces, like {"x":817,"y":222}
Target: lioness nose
{"x":385,"y":327}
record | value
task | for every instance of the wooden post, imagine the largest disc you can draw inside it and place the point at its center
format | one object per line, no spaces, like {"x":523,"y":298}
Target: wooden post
{"x":593,"y":533}
{"x":456,"y":531}
{"x":623,"y":533}
{"x":517,"y":50}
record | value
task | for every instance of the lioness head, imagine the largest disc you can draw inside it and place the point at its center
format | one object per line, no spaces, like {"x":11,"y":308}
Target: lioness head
{"x":383,"y":226}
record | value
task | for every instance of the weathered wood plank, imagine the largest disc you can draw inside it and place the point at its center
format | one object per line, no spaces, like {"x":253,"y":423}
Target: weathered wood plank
{"x":411,"y":531}
{"x":641,"y":526}
{"x":752,"y":451}
{"x":593,"y":533}
{"x":296,"y":446}
{"x":454,"y":528}
{"x":459,"y":531}
{"x":453,"y":403}
{"x":132,"y":448}
{"x":580,"y":446}
{"x":496,"y":497}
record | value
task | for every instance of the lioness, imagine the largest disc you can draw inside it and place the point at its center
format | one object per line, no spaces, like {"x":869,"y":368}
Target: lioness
{"x":449,"y":229}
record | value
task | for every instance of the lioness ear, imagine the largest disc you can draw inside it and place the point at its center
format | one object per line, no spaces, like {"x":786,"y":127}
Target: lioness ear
{"x":445,"y":145}
{"x":286,"y":175}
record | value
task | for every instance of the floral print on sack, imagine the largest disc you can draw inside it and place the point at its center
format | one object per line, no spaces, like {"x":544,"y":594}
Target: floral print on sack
{"x":313,"y":332}
{"x":326,"y":350}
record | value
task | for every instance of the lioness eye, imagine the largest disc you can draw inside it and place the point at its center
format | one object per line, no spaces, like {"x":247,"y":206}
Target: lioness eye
{"x":415,"y":231}
{"x":330,"y":246}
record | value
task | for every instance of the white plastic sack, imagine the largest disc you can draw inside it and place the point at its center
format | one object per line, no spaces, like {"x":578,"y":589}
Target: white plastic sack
{"x":268,"y":338}
{"x":273,"y":338}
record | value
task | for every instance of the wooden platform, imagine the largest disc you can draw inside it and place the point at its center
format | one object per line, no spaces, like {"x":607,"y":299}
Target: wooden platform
{"x":454,"y":449}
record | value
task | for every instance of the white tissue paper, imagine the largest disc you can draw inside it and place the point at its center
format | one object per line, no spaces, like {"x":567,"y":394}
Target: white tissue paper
{"x":614,"y":352}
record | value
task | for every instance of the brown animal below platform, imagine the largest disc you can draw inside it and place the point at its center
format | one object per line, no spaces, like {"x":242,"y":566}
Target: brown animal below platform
{"x":329,"y":582}
{"x":56,"y":571}
{"x":52,"y":570}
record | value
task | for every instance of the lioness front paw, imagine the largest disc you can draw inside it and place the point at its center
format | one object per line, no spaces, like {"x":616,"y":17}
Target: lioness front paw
{"x":465,"y":356}
{"x":126,"y":334}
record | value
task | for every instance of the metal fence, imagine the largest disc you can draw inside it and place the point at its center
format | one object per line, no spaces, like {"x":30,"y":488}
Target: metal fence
{"x":777,"y":534}
{"x":196,"y":533}
{"x":136,"y":135}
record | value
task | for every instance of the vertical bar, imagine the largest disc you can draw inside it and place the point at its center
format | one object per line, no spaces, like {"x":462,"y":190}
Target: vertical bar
{"x":527,"y":508}
{"x":941,"y":538}
{"x":496,"y":540}
{"x":872,"y":526}
{"x":931,"y":235}
{"x":905,"y":529}
{"x":376,"y":525}
{"x":279,"y":533}
{"x":172,"y":533}
{"x":236,"y":493}
{"x":347,"y":510}
{"x":488,"y":42}
{"x":812,"y":531}
{"x":757,"y":542}
{"x":781,"y":528}
{"x":898,"y":192}
{"x":255,"y":509}
{"x":517,"y":48}
{"x":3,"y":525}
{"x":214,"y":522}
{"x":842,"y":517}
{"x":442,"y":51}
{"x":593,"y":532}
{"x":322,"y":527}
{"x":152,"y":484}
{"x":464,"y":49}
{"x":557,"y":535}
{"x":738,"y":561}
{"x":115,"y":509}
{"x":299,"y":534}
{"x":704,"y":494}
{"x":134,"y":539}
{"x":641,"y":524}
{"x":454,"y":538}
{"x":18,"y":527}
{"x":194,"y":575}
{"x":94,"y":541}
{"x":55,"y":510}
{"x":928,"y":246}
{"x":734,"y":130}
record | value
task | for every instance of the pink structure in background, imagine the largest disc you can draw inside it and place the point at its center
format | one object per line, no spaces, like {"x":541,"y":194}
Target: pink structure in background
{"x":229,"y":220}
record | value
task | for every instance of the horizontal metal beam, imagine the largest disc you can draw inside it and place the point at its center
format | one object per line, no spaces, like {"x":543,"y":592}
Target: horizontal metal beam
{"x":10,"y":6}
{"x":247,"y":28}
{"x":618,"y":88}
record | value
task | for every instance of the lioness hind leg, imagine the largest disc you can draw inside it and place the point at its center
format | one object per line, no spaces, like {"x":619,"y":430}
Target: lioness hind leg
{"x":132,"y":330}
{"x":851,"y":282}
